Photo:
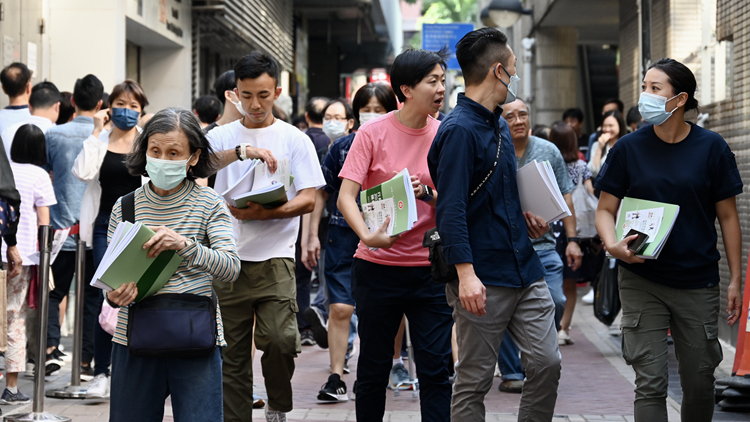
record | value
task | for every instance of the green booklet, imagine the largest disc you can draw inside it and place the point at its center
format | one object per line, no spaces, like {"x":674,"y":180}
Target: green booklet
{"x":655,"y":219}
{"x":268,"y":189}
{"x":394,"y":198}
{"x":125,"y":260}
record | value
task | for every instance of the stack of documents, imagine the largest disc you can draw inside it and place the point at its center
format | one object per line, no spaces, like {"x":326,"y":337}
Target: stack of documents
{"x":539,"y":193}
{"x":394,"y":198}
{"x":655,"y":219}
{"x":257,"y":184}
{"x":125,"y":260}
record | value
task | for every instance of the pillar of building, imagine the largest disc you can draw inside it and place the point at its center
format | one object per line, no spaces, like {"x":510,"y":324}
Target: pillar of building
{"x":555,"y":75}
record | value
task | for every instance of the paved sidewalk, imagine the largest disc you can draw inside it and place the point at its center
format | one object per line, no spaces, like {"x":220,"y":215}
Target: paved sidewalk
{"x":596,"y":385}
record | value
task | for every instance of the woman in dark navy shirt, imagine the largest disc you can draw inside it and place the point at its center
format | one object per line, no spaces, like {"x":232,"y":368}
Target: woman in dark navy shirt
{"x":676,"y":162}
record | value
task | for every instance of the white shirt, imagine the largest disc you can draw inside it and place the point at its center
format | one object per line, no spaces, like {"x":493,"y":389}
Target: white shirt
{"x":35,"y":188}
{"x":262,"y":240}
{"x":9,"y":134}
{"x":9,"y":117}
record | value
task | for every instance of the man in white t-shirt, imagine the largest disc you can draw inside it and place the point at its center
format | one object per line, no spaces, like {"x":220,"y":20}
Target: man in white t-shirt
{"x":16,"y":82}
{"x":265,"y":242}
{"x":44,"y":105}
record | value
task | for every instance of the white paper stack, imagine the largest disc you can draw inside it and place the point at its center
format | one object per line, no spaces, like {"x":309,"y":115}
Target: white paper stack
{"x":539,"y":193}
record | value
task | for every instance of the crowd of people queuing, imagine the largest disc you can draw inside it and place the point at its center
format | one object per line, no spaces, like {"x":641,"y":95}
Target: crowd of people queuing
{"x":87,"y":160}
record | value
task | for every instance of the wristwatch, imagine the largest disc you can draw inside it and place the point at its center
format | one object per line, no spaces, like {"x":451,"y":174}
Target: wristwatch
{"x":428,"y":194}
{"x":239,"y":152}
{"x":575,"y":239}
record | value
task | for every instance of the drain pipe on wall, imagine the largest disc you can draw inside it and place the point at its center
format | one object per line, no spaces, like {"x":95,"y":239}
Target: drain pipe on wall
{"x":528,"y":55}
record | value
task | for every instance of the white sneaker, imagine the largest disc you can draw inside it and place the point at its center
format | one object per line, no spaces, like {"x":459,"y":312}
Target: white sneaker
{"x":274,"y":415}
{"x":98,"y":387}
{"x":563,"y":338}
{"x":589,"y":298}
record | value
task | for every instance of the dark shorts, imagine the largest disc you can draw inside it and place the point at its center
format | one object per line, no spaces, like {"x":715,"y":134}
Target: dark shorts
{"x":340,"y":248}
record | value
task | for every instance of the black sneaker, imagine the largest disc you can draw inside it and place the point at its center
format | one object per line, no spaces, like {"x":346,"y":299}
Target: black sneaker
{"x":87,"y":373}
{"x":306,"y":338}
{"x":52,"y":364}
{"x":58,"y":354}
{"x":319,"y":325}
{"x":10,"y":398}
{"x":334,"y":391}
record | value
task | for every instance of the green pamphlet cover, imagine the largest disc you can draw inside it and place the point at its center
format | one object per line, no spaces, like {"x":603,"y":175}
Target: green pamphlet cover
{"x":394,"y":197}
{"x":654,"y":218}
{"x":132,"y":264}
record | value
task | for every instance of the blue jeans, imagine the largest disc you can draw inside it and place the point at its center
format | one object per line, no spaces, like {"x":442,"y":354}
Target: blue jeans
{"x":384,"y":294}
{"x":553,"y":274}
{"x":102,"y":339}
{"x":508,"y":358}
{"x":140,"y":385}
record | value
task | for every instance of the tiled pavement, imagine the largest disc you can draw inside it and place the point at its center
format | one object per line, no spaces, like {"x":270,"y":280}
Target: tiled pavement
{"x":596,"y":385}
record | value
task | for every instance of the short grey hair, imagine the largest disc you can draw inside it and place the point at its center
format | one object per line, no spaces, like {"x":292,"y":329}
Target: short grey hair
{"x":169,"y":120}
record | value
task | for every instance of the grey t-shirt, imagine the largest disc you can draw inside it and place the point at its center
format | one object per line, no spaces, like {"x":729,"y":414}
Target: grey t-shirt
{"x":540,"y":150}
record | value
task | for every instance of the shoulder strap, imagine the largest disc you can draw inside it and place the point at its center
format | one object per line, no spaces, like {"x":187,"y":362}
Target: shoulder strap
{"x":128,"y":207}
{"x":492,"y":170}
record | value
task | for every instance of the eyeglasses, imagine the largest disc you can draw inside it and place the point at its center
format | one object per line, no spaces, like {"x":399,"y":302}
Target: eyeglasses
{"x":335,"y":118}
{"x":520,"y":116}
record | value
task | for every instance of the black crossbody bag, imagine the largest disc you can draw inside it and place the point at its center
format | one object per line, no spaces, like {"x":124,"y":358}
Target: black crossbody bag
{"x":442,"y":272}
{"x":170,"y":325}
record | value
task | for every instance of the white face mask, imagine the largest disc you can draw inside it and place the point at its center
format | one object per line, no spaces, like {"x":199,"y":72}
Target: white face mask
{"x":366,"y":117}
{"x":239,"y":107}
{"x":334,"y":129}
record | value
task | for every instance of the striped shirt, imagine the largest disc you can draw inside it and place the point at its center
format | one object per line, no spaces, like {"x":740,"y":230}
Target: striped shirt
{"x":35,"y":187}
{"x":199,"y":214}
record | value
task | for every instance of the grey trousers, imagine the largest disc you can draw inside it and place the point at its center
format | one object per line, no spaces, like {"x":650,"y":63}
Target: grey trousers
{"x":529,"y":316}
{"x":648,"y":311}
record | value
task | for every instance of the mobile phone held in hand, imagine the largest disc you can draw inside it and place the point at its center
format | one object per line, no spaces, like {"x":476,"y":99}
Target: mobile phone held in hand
{"x":638,"y":244}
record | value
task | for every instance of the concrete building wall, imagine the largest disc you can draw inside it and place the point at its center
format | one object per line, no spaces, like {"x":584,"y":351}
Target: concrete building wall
{"x":630,"y":77}
{"x":159,"y":29}
{"x":22,"y":39}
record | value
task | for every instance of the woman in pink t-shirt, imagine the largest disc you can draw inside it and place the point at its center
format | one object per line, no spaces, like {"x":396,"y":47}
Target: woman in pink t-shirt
{"x":394,"y":279}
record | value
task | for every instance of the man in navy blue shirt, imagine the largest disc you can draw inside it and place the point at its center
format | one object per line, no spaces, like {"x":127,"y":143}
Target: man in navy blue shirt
{"x":486,"y":235}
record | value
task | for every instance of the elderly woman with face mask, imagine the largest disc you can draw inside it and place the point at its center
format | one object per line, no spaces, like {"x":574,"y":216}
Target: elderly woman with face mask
{"x":676,"y":162}
{"x":193,"y":221}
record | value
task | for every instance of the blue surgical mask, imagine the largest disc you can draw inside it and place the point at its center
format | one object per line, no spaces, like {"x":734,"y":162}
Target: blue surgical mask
{"x":166,"y":174}
{"x":653,"y":108}
{"x":125,"y":118}
{"x":512,"y":85}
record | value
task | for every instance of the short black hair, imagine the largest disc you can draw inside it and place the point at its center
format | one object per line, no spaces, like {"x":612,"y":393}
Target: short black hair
{"x":29,"y":146}
{"x":165,"y":121}
{"x":478,"y":50}
{"x":66,"y":108}
{"x":575,"y":113}
{"x":129,"y":86}
{"x":225,"y":82}
{"x":681,"y":79}
{"x":620,"y":105}
{"x":44,"y":95}
{"x":254,"y":65}
{"x":88,"y":92}
{"x":411,"y":66}
{"x":620,"y":121}
{"x":208,"y":108}
{"x":541,"y":131}
{"x":315,"y":108}
{"x":14,"y":78}
{"x":349,"y":114}
{"x":384,"y":94}
{"x":633,"y":116}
